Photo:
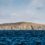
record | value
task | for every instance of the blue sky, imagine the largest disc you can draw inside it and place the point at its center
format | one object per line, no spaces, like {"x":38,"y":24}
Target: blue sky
{"x":22,"y":10}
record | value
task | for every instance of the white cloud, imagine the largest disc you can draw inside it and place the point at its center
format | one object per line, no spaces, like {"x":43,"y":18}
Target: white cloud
{"x":36,"y":8}
{"x":13,"y":14}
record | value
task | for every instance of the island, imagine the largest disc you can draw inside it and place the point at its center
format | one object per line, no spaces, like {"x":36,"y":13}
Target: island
{"x":22,"y":26}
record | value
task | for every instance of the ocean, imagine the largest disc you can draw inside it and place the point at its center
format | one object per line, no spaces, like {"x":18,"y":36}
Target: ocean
{"x":22,"y":37}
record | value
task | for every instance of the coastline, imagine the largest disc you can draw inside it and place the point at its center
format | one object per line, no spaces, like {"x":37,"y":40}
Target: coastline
{"x":22,"y":26}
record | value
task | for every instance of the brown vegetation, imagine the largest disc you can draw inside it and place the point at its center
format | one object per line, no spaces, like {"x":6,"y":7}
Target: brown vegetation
{"x":22,"y":26}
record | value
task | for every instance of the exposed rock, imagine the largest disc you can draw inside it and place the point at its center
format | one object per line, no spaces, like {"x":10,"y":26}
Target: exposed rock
{"x":22,"y":26}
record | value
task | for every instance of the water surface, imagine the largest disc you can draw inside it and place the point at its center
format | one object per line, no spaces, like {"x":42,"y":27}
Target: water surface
{"x":22,"y":37}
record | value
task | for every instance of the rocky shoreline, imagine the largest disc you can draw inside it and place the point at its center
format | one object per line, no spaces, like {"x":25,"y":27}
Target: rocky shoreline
{"x":22,"y":26}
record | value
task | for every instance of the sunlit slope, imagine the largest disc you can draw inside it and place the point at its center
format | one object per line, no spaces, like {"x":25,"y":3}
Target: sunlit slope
{"x":22,"y":26}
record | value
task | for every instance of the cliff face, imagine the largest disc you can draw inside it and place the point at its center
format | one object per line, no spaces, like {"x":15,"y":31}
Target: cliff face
{"x":22,"y":26}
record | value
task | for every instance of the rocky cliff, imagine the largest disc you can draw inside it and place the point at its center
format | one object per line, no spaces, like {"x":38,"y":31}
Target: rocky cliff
{"x":22,"y":26}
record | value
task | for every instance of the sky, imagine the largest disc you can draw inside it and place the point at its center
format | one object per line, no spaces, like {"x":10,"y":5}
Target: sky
{"x":22,"y":10}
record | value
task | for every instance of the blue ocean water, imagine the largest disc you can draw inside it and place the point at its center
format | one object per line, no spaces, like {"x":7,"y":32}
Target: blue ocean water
{"x":22,"y":37}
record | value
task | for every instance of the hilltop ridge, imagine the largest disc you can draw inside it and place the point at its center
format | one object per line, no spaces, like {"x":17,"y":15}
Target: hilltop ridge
{"x":22,"y":26}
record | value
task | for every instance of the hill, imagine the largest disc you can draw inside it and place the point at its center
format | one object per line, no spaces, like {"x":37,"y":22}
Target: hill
{"x":22,"y":26}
